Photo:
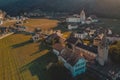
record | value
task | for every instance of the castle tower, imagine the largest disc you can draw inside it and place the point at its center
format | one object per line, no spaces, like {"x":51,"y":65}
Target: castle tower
{"x":103,"y":51}
{"x":82,"y":15}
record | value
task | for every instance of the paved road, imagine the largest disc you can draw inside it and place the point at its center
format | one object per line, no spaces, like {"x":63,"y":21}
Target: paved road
{"x":99,"y":74}
{"x":5,"y":35}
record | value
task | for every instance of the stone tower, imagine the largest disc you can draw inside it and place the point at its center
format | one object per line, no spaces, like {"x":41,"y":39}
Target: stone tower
{"x":102,"y":56}
{"x":82,"y":15}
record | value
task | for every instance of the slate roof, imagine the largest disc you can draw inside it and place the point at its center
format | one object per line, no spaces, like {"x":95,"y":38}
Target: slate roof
{"x":91,"y":49}
{"x":73,"y":40}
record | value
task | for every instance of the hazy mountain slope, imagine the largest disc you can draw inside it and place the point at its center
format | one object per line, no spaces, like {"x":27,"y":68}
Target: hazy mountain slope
{"x":6,"y":2}
{"x":101,"y":7}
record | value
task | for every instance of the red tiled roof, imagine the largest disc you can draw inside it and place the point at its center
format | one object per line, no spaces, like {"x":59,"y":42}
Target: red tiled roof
{"x":58,"y":46}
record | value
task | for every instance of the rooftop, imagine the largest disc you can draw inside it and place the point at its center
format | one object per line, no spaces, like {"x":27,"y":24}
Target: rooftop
{"x":70,"y":56}
{"x":73,"y":40}
{"x":58,"y":47}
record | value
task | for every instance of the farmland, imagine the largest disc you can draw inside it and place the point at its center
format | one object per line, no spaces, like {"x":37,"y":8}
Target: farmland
{"x":33,"y":23}
{"x":42,"y":23}
{"x":18,"y":57}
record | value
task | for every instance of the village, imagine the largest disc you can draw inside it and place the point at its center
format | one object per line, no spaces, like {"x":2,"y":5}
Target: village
{"x":85,"y":49}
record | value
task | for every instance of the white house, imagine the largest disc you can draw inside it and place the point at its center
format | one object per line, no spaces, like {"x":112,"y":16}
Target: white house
{"x":1,"y":22}
{"x":72,"y":26}
{"x":81,"y":35}
{"x":1,"y":15}
{"x":36,"y":37}
{"x":94,"y":18}
{"x":88,"y":21}
{"x":21,"y":28}
{"x":109,"y":32}
{"x":73,"y":20}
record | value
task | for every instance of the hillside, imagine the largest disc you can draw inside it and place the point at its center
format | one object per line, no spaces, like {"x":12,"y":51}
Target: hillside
{"x":106,"y":8}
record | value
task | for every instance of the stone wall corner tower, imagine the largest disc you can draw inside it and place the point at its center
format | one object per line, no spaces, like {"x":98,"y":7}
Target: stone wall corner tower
{"x":102,"y":56}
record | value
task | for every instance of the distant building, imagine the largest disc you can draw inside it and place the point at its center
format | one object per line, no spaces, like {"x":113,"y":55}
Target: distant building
{"x":1,"y":15}
{"x":109,"y":32}
{"x":72,"y":26}
{"x":1,"y":22}
{"x":88,"y":21}
{"x":94,"y":19}
{"x":81,"y":35}
{"x":77,"y":18}
{"x":73,"y":20}
{"x":36,"y":37}
{"x":21,"y":28}
{"x":80,"y":19}
{"x":82,"y":16}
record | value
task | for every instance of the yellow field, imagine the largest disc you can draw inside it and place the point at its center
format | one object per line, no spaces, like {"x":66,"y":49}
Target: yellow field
{"x":16,"y":52}
{"x":9,"y":23}
{"x":34,"y":23}
{"x":42,"y":23}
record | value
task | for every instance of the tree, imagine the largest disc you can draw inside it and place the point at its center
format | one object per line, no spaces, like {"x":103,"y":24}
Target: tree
{"x":115,"y":52}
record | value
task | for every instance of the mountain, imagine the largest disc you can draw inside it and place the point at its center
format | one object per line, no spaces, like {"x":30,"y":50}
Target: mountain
{"x":107,"y":8}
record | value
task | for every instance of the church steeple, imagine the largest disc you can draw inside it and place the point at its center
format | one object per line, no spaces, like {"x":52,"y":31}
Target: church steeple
{"x":82,"y":15}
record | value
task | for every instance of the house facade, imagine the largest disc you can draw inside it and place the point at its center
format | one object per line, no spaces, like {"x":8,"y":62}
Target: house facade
{"x":71,"y":59}
{"x":70,"y":26}
{"x":73,"y":20}
{"x":100,"y":53}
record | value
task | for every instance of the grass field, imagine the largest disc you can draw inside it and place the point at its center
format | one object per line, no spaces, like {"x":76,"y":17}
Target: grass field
{"x":42,"y":23}
{"x":19,"y":57}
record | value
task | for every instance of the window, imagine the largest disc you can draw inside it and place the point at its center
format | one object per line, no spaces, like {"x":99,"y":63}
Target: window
{"x":80,"y":64}
{"x":81,"y":68}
